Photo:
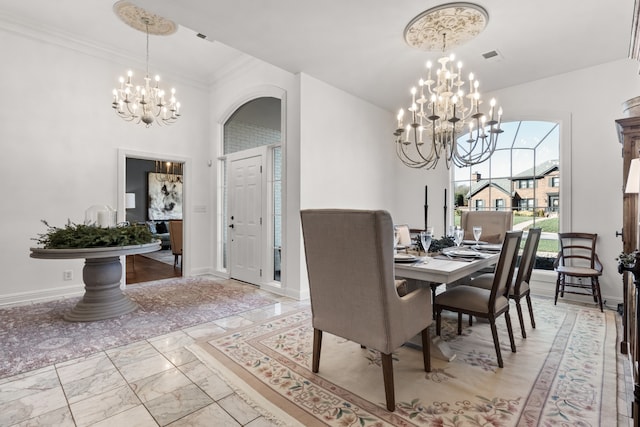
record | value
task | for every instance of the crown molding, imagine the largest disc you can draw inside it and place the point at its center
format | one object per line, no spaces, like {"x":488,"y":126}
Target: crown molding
{"x":77,"y":43}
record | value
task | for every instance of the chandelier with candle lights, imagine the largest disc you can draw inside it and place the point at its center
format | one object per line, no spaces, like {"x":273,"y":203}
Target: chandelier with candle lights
{"x":445,"y":106}
{"x":168,"y":172}
{"x":148,"y":102}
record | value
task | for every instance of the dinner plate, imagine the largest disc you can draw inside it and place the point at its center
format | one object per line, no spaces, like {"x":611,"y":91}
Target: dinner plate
{"x":465,"y":254}
{"x":473,"y":242}
{"x":404,"y":258}
{"x":492,"y":247}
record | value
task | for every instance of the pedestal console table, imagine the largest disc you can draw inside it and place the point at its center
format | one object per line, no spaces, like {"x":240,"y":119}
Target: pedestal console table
{"x":103,"y":298}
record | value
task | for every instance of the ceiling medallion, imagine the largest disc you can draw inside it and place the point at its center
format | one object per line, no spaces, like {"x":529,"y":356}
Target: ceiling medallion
{"x":147,"y":102}
{"x":138,"y":18}
{"x":460,"y":22}
{"x":445,"y":118}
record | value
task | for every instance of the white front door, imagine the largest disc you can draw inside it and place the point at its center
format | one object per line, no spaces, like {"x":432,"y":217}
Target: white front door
{"x":245,"y":220}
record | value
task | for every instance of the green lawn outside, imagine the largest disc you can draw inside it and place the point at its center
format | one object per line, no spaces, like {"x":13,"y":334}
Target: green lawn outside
{"x":548,"y":225}
{"x":517,"y":219}
{"x":549,"y":246}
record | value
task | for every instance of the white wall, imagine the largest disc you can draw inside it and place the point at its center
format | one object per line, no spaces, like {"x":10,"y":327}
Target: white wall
{"x":587,"y":102}
{"x":239,"y":83}
{"x":60,"y":140}
{"x":334,"y":155}
{"x":410,"y":195}
{"x":345,"y":160}
{"x":592,"y":99}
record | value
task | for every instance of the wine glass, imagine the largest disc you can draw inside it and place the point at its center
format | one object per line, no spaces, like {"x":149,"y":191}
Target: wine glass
{"x":477,"y":232}
{"x":425,"y":238}
{"x":396,"y":240}
{"x":458,"y":236}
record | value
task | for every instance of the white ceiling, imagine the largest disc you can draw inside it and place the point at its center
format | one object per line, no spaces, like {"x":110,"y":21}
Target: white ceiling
{"x":355,"y":45}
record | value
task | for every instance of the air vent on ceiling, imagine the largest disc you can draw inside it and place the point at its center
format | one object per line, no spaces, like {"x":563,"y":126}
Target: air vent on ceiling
{"x":202,"y":36}
{"x":492,"y":55}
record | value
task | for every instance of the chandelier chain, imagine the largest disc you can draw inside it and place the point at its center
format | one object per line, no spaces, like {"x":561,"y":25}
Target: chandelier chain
{"x":147,"y":26}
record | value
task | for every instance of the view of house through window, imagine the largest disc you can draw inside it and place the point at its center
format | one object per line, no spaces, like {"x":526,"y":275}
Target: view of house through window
{"x":523,"y":175}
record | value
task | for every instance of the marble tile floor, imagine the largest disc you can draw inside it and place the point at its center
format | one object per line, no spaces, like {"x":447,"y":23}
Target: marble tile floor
{"x":155,"y":382}
{"x":158,"y":382}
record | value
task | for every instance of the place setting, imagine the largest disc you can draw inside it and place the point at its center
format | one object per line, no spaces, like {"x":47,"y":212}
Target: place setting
{"x":478,"y":245}
{"x":463,"y":250}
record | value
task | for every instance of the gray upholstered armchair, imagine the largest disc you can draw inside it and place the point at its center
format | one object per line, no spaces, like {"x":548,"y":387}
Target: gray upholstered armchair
{"x":350,"y":265}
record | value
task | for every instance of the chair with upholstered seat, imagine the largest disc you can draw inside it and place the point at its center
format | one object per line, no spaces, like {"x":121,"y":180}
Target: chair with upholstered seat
{"x":495,"y":224}
{"x":350,"y":266}
{"x":520,"y":287}
{"x":485,"y":303}
{"x":175,"y":236}
{"x":578,"y":261}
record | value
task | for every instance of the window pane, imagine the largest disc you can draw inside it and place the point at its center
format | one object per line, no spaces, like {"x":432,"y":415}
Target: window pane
{"x":254,"y":124}
{"x":501,"y":164}
{"x":532,"y":133}
{"x":523,"y":174}
{"x":277,"y":213}
{"x":223,"y":221}
{"x":510,"y":131}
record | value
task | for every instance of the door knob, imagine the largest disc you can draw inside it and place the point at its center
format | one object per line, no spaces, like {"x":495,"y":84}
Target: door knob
{"x":231,"y":226}
{"x":619,"y":233}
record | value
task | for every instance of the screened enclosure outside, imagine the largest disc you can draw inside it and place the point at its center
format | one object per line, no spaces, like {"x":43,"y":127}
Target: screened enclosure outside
{"x":523,"y":176}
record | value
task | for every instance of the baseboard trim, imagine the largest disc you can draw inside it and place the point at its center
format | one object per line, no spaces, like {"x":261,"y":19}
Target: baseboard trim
{"x":32,"y":297}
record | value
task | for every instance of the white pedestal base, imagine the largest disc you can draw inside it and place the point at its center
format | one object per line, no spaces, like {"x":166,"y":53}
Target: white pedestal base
{"x":439,"y":348}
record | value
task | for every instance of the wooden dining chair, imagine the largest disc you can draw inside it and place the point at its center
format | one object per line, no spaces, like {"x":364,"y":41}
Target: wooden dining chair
{"x":350,"y":266}
{"x":175,"y":237}
{"x":522,"y":277}
{"x":485,"y":303}
{"x":578,"y":260}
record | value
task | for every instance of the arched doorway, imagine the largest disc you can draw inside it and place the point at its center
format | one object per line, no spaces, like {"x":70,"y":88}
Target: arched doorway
{"x":251,"y":198}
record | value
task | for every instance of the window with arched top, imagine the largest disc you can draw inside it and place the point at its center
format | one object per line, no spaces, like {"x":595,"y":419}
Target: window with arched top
{"x":523,"y":175}
{"x":252,"y":125}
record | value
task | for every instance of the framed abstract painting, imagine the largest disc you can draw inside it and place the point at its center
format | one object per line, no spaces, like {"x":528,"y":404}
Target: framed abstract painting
{"x":165,"y":196}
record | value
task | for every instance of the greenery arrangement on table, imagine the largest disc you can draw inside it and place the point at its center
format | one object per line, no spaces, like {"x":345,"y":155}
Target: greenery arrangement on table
{"x":437,"y":245}
{"x":77,"y":236}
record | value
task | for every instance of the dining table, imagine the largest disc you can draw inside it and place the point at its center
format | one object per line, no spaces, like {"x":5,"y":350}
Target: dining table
{"x":449,"y":266}
{"x":446,"y":267}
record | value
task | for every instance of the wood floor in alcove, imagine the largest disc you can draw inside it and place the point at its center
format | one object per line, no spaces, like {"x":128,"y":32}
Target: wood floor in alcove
{"x":142,"y":269}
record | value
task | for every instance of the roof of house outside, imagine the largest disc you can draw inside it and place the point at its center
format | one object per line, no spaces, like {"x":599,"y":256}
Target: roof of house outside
{"x":538,"y":171}
{"x":502,"y":184}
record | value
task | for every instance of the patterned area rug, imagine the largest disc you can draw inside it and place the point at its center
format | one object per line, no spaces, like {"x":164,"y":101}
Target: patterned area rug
{"x":564,"y":373}
{"x":35,"y":335}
